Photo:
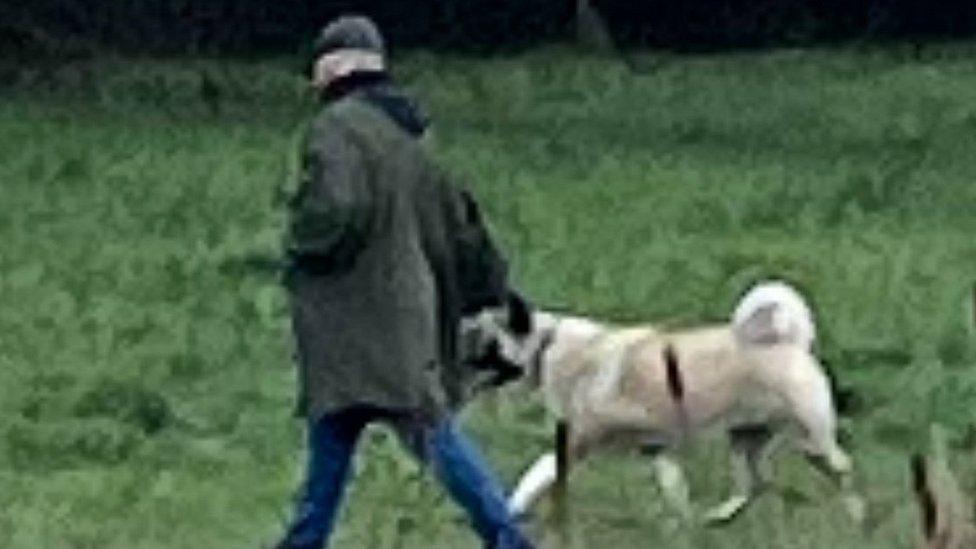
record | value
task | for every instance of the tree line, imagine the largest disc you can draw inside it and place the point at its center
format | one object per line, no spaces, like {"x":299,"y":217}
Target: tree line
{"x":481,"y":26}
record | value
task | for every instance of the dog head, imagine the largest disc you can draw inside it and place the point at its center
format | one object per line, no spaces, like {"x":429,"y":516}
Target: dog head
{"x":509,"y":340}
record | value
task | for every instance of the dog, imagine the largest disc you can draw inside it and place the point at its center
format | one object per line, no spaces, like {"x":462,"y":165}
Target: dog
{"x":638,"y":387}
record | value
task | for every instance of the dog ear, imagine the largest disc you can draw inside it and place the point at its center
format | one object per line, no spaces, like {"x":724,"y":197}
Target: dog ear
{"x":519,"y":315}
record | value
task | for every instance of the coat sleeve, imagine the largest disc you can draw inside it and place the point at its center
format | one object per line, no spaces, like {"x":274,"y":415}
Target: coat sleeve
{"x":332,"y":208}
{"x":470,"y":274}
{"x":482,"y":271}
{"x":474,"y":273}
{"x":481,"y":281}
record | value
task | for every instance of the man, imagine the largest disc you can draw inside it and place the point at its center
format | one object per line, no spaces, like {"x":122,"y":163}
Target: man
{"x":385,"y":256}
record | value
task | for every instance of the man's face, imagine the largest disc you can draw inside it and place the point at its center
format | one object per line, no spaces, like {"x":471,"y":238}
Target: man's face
{"x":336,"y":64}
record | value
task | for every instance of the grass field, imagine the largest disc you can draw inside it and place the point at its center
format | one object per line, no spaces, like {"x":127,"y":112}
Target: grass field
{"x":145,"y":381}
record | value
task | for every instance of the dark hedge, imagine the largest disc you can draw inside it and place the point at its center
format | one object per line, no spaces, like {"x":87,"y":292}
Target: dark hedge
{"x":256,"y":26}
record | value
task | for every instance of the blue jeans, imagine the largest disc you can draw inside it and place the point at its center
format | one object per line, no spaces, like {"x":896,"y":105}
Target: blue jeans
{"x":456,"y":462}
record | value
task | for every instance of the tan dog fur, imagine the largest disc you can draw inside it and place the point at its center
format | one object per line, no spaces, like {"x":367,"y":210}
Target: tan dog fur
{"x":754,"y":377}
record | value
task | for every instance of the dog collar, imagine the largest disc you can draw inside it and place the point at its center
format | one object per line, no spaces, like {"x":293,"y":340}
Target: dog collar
{"x":535,"y":376}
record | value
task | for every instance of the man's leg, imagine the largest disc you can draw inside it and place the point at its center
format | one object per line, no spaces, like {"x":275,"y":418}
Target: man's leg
{"x":468,"y":479}
{"x":331,"y":442}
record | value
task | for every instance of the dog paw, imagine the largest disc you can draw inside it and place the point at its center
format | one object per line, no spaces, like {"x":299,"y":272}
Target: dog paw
{"x":857,"y":508}
{"x":723,"y":513}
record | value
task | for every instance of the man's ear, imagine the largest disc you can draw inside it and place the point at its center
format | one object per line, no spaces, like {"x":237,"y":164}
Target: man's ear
{"x":519,"y":315}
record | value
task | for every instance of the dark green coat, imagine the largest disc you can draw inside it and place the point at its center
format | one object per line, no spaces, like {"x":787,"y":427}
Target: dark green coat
{"x":386,"y":255}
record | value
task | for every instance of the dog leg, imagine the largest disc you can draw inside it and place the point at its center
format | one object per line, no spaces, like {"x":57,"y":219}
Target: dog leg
{"x":547,"y":471}
{"x":827,"y":457}
{"x":550,"y":472}
{"x":570,"y":446}
{"x":748,"y":449}
{"x":745,"y":489}
{"x":533,"y":484}
{"x":836,"y":465}
{"x":673,"y":485}
{"x":814,"y":411}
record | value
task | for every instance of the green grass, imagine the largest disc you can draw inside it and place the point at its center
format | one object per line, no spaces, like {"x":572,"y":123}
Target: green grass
{"x":145,"y":381}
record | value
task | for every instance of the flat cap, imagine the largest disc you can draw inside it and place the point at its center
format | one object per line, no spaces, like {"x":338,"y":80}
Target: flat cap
{"x":350,"y":32}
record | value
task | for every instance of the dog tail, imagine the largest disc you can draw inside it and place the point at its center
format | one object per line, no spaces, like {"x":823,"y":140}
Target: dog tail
{"x":774,"y":312}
